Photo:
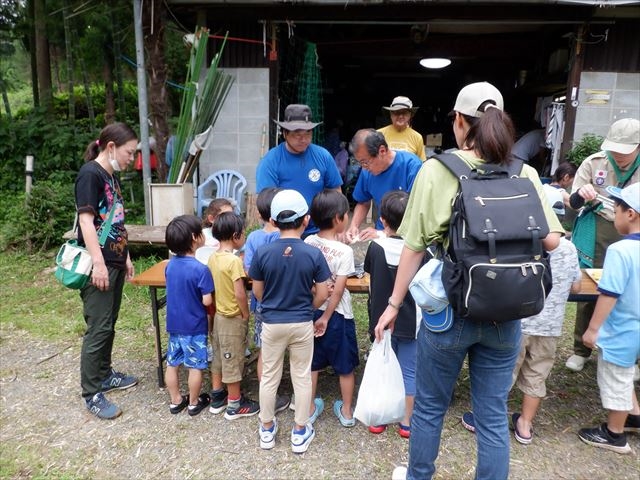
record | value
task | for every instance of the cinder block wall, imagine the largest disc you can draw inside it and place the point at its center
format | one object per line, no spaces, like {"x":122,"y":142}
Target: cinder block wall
{"x":237,"y":135}
{"x":596,"y":114}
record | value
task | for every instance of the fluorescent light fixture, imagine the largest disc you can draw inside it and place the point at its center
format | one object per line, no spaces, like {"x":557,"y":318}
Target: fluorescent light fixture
{"x":435,"y":63}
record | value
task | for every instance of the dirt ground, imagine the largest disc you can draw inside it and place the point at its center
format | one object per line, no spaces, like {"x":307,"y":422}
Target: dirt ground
{"x":45,"y":431}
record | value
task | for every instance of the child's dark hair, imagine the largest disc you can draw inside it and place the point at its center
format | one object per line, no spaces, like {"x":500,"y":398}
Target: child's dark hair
{"x":392,"y":207}
{"x":326,"y":205}
{"x":263,"y":202}
{"x":289,"y":225}
{"x":492,"y":135}
{"x":564,"y":168}
{"x":228,"y":226}
{"x":118,"y":133}
{"x":214,"y":208}
{"x":181,"y":232}
{"x":623,"y":205}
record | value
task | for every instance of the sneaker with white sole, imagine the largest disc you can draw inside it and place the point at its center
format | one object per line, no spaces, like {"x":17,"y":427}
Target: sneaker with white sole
{"x":399,"y":473}
{"x":576,"y":363}
{"x":268,"y":436}
{"x":118,"y":381}
{"x":600,"y":437}
{"x":102,"y":408}
{"x":632,"y":424}
{"x":300,"y":440}
{"x":282,"y":402}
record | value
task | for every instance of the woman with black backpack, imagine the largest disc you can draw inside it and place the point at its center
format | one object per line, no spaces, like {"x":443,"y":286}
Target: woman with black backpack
{"x":485,"y":135}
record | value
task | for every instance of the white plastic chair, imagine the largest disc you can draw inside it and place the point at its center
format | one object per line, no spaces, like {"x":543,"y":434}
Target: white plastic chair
{"x":222,"y":184}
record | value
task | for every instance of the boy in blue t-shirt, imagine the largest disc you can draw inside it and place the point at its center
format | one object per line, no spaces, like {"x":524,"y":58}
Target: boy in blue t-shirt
{"x":615,"y":327}
{"x":189,"y":287}
{"x":289,"y":280}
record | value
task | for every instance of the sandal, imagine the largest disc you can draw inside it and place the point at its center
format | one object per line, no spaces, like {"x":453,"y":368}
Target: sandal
{"x":180,"y":406}
{"x":519,"y":437}
{"x":404,"y":430}
{"x":337,"y":409}
{"x":203,"y":402}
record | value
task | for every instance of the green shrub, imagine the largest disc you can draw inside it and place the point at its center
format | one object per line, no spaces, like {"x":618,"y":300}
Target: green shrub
{"x":37,"y":221}
{"x":588,"y":145}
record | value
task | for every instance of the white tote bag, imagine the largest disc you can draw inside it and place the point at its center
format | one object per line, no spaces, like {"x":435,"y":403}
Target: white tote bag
{"x":381,"y":398}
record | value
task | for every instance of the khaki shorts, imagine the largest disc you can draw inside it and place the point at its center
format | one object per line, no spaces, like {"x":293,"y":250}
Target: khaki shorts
{"x":615,"y":384}
{"x":534,"y":364}
{"x":229,"y":345}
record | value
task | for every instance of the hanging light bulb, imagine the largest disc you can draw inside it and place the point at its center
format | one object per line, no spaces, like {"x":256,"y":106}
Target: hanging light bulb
{"x":435,"y":63}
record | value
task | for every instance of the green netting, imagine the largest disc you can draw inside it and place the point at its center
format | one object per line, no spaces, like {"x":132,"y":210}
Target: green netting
{"x":300,"y":80}
{"x":310,"y":89}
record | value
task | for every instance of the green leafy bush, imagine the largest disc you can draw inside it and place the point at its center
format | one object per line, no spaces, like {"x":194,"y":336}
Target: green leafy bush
{"x":37,"y":221}
{"x":588,"y":145}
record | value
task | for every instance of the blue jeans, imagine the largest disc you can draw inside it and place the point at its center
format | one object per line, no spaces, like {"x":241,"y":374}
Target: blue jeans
{"x":492,"y":350}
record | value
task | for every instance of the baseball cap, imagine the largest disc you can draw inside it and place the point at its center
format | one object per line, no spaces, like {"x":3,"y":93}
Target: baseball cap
{"x":288,"y":201}
{"x":623,"y":136}
{"x":475,"y":94}
{"x":629,"y":195}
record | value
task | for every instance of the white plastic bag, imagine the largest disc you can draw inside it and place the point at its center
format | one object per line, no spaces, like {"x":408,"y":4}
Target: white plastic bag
{"x":381,"y":395}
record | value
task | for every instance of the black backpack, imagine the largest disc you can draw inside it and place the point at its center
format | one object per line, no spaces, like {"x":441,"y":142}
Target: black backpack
{"x":495,"y":268}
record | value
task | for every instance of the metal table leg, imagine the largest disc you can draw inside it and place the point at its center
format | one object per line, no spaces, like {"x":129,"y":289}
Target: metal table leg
{"x":156,"y":305}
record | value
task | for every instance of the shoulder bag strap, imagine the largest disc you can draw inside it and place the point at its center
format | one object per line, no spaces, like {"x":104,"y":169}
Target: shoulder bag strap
{"x":104,"y":230}
{"x":454,"y":163}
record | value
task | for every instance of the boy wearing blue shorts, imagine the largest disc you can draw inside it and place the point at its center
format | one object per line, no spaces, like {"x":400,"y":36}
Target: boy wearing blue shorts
{"x":289,"y":281}
{"x":189,"y":287}
{"x":615,"y":327}
{"x":381,"y":262}
{"x":335,"y":341}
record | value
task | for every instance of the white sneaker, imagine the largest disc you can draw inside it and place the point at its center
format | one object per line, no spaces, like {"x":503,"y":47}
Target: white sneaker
{"x":300,"y":441}
{"x":268,"y":437}
{"x":399,"y":473}
{"x":576,"y":363}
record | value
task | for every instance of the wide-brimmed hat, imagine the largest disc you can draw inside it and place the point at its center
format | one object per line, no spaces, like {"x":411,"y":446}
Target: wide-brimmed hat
{"x":401,"y":103}
{"x":474,"y":95}
{"x":297,"y":117}
{"x":623,"y":136}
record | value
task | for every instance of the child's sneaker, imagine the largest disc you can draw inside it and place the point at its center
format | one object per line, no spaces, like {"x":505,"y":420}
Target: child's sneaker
{"x":600,"y":437}
{"x":118,"y":381}
{"x":469,"y":422}
{"x":102,"y":408}
{"x":337,"y":410}
{"x":245,"y":408}
{"x":218,"y":401}
{"x":576,"y":363}
{"x":282,"y":402}
{"x":301,"y":439}
{"x":203,"y":400}
{"x":318,"y":405}
{"x":268,"y":436}
{"x":399,"y":473}
{"x":632,"y":423}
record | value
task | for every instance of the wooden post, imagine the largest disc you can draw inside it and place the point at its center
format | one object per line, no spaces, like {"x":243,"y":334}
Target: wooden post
{"x":573,"y":89}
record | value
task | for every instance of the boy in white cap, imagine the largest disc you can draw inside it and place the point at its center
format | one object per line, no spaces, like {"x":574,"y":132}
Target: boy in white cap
{"x":615,"y":327}
{"x":616,"y":165}
{"x":399,"y":134}
{"x":290,"y":282}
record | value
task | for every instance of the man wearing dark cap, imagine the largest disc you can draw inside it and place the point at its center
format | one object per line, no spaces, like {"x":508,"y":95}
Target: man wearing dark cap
{"x":297,"y":163}
{"x":399,"y":134}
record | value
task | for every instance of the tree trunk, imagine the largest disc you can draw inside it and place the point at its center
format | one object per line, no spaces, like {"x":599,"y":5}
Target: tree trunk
{"x":122,"y":104}
{"x":85,"y":83}
{"x":5,"y":97}
{"x":42,"y":56}
{"x":153,"y":27}
{"x":32,"y":54}
{"x":109,"y":101}
{"x":69,"y":50}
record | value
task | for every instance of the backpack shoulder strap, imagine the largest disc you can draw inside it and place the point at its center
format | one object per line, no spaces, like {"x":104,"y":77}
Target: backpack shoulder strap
{"x":515,"y":167}
{"x":454,"y":163}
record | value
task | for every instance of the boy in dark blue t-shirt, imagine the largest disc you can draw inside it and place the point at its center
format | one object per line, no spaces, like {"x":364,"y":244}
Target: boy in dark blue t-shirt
{"x":289,"y":281}
{"x":189,"y":287}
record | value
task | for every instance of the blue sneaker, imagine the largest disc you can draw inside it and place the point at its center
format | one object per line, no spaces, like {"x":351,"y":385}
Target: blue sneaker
{"x":102,"y":408}
{"x":118,"y":381}
{"x":268,"y":436}
{"x":319,"y":404}
{"x":300,"y":440}
{"x":337,"y":409}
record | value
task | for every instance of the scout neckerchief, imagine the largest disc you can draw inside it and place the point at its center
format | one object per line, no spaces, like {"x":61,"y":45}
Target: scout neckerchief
{"x":623,"y":178}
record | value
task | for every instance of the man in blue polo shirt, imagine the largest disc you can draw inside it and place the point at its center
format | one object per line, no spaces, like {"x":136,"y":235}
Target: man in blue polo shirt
{"x":383,"y":170}
{"x":297,"y":163}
